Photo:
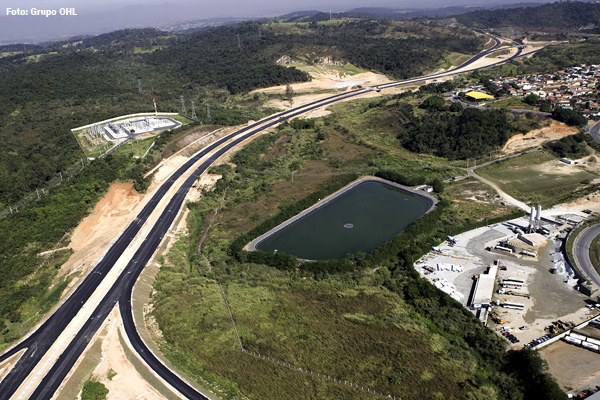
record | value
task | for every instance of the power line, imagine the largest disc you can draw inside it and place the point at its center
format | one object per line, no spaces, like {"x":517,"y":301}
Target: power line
{"x":194,"y":110}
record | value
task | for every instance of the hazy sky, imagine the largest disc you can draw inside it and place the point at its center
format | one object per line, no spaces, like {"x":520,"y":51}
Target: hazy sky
{"x":232,"y":8}
{"x":99,"y":16}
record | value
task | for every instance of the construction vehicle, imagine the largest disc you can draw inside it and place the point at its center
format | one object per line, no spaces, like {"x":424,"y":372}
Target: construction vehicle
{"x":496,"y":318}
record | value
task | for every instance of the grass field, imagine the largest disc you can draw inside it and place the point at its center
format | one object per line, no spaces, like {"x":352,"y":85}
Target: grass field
{"x":454,"y":59}
{"x":511,"y":102}
{"x":136,"y":147}
{"x":357,"y":333}
{"x":35,"y":308}
{"x":499,"y":53}
{"x":537,"y":178}
{"x":345,"y":70}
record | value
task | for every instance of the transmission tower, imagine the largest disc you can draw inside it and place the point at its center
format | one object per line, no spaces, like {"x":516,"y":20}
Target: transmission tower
{"x":239,"y":41}
{"x":183,"y":105}
{"x":208,"y":112}
{"x":194,"y":110}
{"x":140,"y":84}
{"x":259,"y":33}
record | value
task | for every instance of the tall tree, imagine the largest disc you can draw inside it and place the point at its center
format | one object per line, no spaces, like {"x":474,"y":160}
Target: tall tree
{"x":289,"y":94}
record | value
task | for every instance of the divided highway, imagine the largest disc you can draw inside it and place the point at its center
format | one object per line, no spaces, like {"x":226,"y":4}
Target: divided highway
{"x":39,"y":342}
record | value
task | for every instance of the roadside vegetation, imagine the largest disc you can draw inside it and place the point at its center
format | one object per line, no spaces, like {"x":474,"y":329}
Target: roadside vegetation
{"x":93,"y":390}
{"x":330,"y":317}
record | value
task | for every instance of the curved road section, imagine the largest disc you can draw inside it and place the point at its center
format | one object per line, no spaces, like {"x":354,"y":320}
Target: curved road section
{"x":39,"y":342}
{"x":581,"y":252}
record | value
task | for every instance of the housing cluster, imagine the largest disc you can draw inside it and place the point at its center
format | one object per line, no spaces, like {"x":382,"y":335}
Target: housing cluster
{"x":571,"y":88}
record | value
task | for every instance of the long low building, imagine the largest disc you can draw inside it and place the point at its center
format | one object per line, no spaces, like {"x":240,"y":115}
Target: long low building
{"x":484,"y":288}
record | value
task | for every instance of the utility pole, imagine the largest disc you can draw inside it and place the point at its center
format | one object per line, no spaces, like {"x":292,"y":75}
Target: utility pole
{"x":182,"y":105}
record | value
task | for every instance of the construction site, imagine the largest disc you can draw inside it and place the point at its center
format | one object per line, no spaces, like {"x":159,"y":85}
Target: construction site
{"x":514,"y":277}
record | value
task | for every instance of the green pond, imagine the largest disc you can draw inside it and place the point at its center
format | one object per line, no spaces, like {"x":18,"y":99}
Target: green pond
{"x":360,"y":219}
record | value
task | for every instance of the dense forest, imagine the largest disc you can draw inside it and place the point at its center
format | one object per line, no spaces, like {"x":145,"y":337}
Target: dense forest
{"x":43,"y":226}
{"x":45,"y":91}
{"x":45,"y":95}
{"x":559,"y":15}
{"x":452,"y":132}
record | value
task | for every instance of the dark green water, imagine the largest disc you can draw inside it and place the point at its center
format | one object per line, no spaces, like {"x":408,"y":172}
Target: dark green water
{"x":376,"y":212}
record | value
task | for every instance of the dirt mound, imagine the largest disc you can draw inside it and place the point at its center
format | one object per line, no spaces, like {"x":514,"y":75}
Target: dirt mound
{"x":537,"y":137}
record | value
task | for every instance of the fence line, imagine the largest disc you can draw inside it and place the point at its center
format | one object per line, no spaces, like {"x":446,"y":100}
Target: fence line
{"x":293,"y":367}
{"x":232,"y":320}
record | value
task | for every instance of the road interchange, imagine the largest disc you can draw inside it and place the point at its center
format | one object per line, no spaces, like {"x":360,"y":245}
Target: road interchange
{"x":37,"y":344}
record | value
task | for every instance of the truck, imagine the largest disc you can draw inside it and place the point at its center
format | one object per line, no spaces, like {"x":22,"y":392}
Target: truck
{"x":496,"y":318}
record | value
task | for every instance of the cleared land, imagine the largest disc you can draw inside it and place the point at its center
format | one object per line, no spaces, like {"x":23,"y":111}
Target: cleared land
{"x":574,"y":368}
{"x":535,"y":138}
{"x":474,"y":199}
{"x":537,"y":178}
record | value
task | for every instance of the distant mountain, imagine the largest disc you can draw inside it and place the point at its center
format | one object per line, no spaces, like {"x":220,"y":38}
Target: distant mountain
{"x":567,"y":15}
{"x":300,"y":14}
{"x":398,"y":14}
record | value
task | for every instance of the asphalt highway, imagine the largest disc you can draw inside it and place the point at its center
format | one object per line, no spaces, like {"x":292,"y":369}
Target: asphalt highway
{"x":581,"y":252}
{"x":595,"y":132}
{"x":38,"y":343}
